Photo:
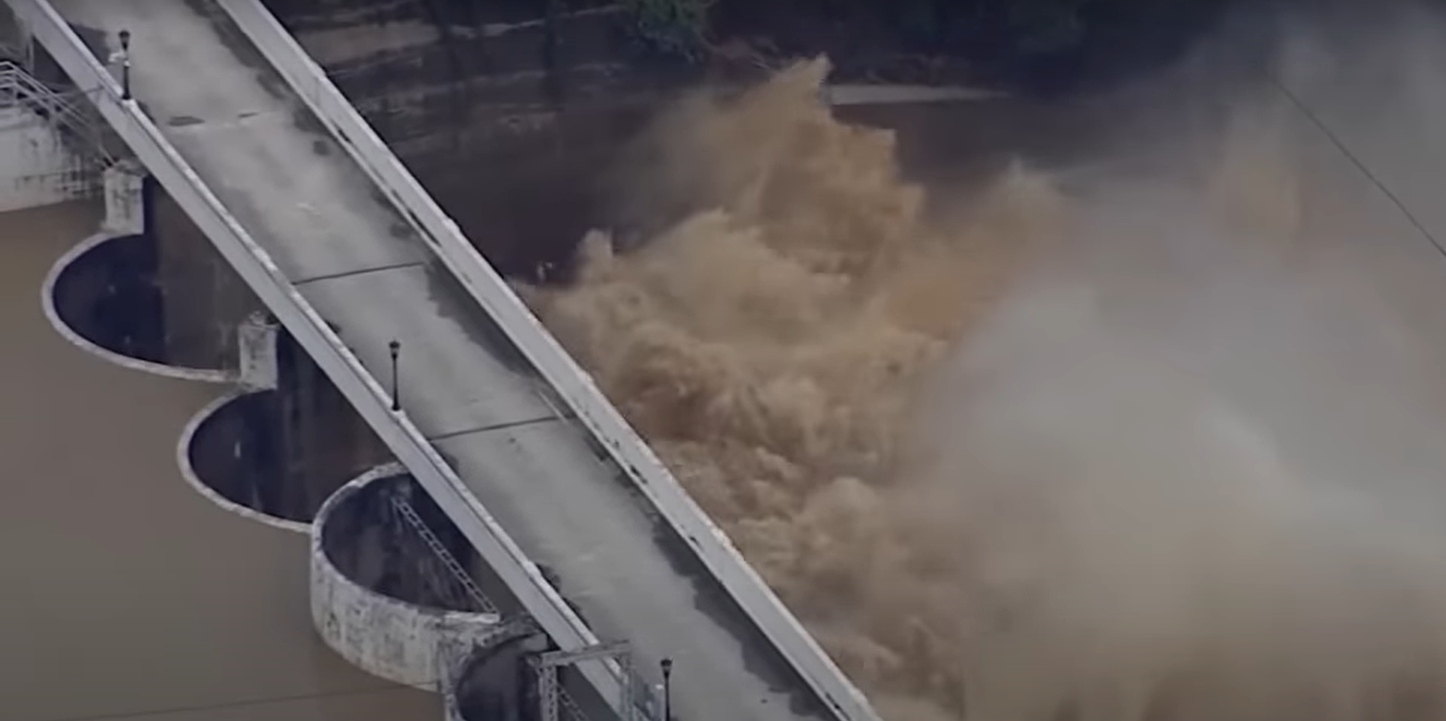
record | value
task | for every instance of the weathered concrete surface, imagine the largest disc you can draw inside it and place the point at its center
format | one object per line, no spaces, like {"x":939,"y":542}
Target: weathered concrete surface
{"x":258,"y":368}
{"x":494,"y":683}
{"x":279,"y":454}
{"x":205,"y":300}
{"x":125,"y":203}
{"x":286,"y":446}
{"x":400,"y":641}
{"x":37,"y":167}
{"x":143,"y":291}
{"x":273,"y":453}
{"x":325,"y":441}
{"x":301,"y":199}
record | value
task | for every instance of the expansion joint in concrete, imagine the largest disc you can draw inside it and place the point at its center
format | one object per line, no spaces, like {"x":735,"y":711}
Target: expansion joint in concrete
{"x":363,"y":271}
{"x":491,"y":427}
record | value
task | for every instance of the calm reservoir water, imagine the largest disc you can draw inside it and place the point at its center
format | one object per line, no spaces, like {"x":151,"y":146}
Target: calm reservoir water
{"x":124,"y":593}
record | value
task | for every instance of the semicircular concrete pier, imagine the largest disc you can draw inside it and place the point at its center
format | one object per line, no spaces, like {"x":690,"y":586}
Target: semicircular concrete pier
{"x":223,"y":458}
{"x":492,"y":682}
{"x":383,"y":599}
{"x":101,"y":296}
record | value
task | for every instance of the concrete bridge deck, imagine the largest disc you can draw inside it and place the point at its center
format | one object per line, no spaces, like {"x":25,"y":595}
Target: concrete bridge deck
{"x":316,"y":213}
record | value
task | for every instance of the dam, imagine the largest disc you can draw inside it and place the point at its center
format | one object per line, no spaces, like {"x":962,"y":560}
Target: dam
{"x":489,"y":420}
{"x":477,"y":524}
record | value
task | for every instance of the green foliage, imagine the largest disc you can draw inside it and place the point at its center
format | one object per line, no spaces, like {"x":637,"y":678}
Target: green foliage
{"x":674,"y":27}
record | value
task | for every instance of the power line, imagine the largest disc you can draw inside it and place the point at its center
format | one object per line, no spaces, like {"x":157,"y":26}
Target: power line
{"x":1361,"y":166}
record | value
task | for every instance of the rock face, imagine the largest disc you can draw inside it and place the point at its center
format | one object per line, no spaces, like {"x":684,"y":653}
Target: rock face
{"x":506,"y":111}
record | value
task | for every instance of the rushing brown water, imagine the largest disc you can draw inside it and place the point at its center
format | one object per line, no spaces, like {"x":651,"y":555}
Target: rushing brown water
{"x":1187,"y":467}
{"x":124,"y":593}
{"x":771,"y":346}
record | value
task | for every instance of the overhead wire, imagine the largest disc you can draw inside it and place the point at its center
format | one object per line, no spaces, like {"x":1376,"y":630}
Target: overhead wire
{"x":1355,"y":160}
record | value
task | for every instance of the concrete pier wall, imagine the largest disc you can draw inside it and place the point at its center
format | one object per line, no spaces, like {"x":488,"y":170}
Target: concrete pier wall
{"x":37,"y":166}
{"x":380,"y":598}
{"x":206,"y":301}
{"x":150,"y":292}
{"x":149,"y":286}
{"x":104,"y":292}
{"x":325,"y":441}
{"x":495,"y":683}
{"x":42,"y":163}
{"x":281,"y":450}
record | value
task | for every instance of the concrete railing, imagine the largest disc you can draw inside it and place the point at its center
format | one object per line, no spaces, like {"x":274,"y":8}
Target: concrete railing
{"x":572,"y":383}
{"x":261,"y":273}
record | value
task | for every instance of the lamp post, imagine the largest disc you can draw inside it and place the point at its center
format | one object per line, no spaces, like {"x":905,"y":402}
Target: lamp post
{"x":667,"y":665}
{"x":396,"y":348}
{"x":125,"y":58}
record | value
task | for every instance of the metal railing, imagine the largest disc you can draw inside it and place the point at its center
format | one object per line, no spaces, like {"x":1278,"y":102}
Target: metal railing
{"x":634,"y":685}
{"x":66,"y":110}
{"x":439,"y":551}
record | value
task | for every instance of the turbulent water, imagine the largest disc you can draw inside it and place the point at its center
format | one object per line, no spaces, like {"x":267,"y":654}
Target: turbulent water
{"x":1153,"y":443}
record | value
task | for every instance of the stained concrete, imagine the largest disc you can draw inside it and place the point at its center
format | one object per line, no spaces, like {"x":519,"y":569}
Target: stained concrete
{"x":208,"y":300}
{"x":275,"y":453}
{"x":165,"y":296}
{"x":129,"y":594}
{"x":495,"y":683}
{"x":385,"y":601}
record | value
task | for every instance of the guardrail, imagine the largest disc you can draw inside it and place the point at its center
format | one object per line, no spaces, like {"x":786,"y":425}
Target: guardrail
{"x":264,"y":277}
{"x":572,"y":383}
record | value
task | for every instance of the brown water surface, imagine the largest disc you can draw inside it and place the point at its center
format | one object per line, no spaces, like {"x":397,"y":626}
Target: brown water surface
{"x":124,"y":593}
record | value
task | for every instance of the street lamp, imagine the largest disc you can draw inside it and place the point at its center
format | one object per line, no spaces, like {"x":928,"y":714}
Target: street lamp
{"x":396,"y":348}
{"x":125,"y":58}
{"x":667,"y":665}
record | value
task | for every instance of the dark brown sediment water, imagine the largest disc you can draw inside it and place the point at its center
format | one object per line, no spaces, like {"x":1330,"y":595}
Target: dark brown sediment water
{"x":123,"y":592}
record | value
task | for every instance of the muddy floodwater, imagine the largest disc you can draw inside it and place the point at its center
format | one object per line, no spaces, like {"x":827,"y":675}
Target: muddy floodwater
{"x":124,"y":593}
